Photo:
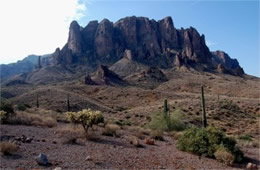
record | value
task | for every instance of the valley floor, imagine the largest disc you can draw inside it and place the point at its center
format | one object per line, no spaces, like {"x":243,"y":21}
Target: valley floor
{"x":102,"y":152}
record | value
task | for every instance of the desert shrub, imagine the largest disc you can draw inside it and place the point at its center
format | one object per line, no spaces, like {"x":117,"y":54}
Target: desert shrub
{"x":110,"y":130}
{"x":167,"y":122}
{"x":70,"y":134}
{"x":245,"y":137}
{"x":7,"y":107}
{"x":3,"y":116}
{"x":29,"y":119}
{"x":157,"y":135}
{"x":87,"y":118}
{"x":224,"y":156}
{"x":8,"y":148}
{"x":228,"y":105}
{"x":21,"y":107}
{"x":134,"y":141}
{"x":206,"y":141}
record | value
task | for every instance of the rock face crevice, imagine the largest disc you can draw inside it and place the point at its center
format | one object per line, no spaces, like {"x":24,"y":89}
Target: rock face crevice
{"x":151,"y":43}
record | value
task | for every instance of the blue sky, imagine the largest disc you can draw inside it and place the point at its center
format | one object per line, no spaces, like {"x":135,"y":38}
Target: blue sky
{"x":231,"y":26}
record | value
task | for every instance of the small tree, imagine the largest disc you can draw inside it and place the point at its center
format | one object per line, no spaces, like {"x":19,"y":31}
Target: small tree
{"x":87,"y":118}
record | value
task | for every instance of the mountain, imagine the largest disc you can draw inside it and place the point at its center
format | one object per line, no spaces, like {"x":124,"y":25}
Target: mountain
{"x":26,"y":65}
{"x":149,"y":42}
{"x":126,"y":47}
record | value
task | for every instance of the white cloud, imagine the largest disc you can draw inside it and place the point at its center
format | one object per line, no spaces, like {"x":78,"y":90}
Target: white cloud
{"x":35,"y":26}
{"x":210,"y":43}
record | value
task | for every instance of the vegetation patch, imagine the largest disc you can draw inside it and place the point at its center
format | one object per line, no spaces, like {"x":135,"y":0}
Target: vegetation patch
{"x":246,"y":137}
{"x":229,"y":105}
{"x":7,"y":148}
{"x":167,"y":122}
{"x":111,"y":130}
{"x":30,"y":119}
{"x":87,"y":118}
{"x":206,"y":141}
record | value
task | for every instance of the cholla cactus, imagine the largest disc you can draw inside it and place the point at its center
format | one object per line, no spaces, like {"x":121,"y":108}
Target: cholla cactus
{"x":3,"y":116}
{"x":87,"y":118}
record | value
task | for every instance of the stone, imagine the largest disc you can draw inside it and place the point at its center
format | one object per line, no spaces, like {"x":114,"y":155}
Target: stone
{"x":251,"y":166}
{"x":104,"y":76}
{"x":149,"y":141}
{"x":88,"y":158}
{"x":42,"y":159}
{"x":28,"y":140}
{"x":57,"y":168}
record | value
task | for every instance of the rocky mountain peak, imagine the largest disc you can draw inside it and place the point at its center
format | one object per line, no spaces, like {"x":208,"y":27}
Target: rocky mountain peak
{"x":231,"y":65}
{"x":75,"y":38}
{"x":148,"y":42}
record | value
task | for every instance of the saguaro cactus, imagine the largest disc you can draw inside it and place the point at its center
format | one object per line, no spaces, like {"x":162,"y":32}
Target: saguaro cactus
{"x":39,"y":62}
{"x":166,"y":109}
{"x":204,"y":118}
{"x":37,"y":100}
{"x":68,"y":102}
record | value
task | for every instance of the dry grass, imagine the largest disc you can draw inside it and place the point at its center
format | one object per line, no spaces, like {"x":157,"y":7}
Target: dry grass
{"x":30,"y":119}
{"x":157,"y":135}
{"x":8,"y":148}
{"x":134,"y":141}
{"x":111,"y":130}
{"x":176,"y":135}
{"x":71,"y":134}
{"x":224,"y":157}
{"x":139,"y":132}
{"x":254,"y":143}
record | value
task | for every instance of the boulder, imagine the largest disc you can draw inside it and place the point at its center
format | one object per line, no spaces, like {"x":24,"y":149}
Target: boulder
{"x":42,"y":160}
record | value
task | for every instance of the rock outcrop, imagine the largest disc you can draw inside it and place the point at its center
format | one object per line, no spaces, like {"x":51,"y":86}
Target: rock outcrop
{"x":104,"y":76}
{"x":147,"y":42}
{"x":129,"y":46}
{"x":226,"y":64}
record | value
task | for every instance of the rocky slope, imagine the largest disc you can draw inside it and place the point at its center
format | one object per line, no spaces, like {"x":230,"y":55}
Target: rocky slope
{"x":26,"y":65}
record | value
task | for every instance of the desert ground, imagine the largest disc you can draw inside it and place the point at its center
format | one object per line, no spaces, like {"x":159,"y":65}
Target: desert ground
{"x":128,"y":109}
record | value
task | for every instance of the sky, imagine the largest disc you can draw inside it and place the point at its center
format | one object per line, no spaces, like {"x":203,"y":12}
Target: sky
{"x":40,"y":26}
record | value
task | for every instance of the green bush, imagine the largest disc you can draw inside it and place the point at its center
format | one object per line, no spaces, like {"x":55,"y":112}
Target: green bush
{"x":167,"y":122}
{"x":245,"y":137}
{"x":21,"y":107}
{"x":228,"y":105}
{"x":206,"y":141}
{"x":3,"y":116}
{"x":7,"y":107}
{"x":87,"y":118}
{"x":7,"y":110}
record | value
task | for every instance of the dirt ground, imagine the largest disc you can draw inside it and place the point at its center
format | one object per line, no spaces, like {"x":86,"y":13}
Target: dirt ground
{"x":102,"y":152}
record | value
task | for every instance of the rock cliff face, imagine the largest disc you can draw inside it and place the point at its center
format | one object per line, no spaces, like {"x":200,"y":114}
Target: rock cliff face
{"x":226,"y":64}
{"x":129,"y":46}
{"x":151,"y":43}
{"x":104,"y":76}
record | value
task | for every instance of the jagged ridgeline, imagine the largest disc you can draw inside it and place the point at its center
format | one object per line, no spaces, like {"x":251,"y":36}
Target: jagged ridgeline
{"x":148,"y":42}
{"x":126,"y":47}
